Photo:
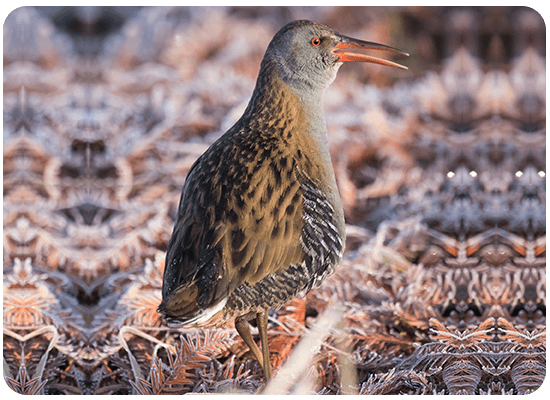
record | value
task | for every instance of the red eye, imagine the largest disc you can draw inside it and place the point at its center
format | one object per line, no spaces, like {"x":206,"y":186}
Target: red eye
{"x":315,"y":41}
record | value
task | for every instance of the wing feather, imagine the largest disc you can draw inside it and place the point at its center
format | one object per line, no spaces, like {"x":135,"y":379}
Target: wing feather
{"x":232,"y":228}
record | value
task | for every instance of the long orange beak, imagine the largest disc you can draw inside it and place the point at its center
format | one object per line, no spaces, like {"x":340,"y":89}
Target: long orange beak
{"x":350,"y":43}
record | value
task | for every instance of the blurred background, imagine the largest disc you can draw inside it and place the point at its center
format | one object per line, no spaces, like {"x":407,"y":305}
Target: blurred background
{"x":441,"y":170}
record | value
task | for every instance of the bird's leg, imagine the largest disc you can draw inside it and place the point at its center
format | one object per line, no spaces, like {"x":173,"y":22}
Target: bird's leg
{"x":261,"y":321}
{"x":243,"y":328}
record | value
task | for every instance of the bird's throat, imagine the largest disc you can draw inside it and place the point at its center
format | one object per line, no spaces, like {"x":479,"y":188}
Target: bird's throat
{"x":294,"y":117}
{"x":298,"y":108}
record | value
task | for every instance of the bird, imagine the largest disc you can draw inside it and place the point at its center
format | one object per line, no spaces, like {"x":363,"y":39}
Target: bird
{"x":260,"y":219}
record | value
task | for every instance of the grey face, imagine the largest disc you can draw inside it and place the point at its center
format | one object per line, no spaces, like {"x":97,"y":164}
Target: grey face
{"x":303,"y":53}
{"x":307,"y":55}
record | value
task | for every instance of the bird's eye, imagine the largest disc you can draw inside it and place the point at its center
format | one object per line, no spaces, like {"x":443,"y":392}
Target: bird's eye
{"x":316,"y":41}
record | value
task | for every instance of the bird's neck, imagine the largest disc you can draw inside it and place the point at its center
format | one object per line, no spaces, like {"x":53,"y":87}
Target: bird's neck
{"x":297,"y":121}
{"x":297,"y":107}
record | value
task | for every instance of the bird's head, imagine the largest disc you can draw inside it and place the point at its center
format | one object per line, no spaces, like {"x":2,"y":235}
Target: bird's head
{"x":308,"y":54}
